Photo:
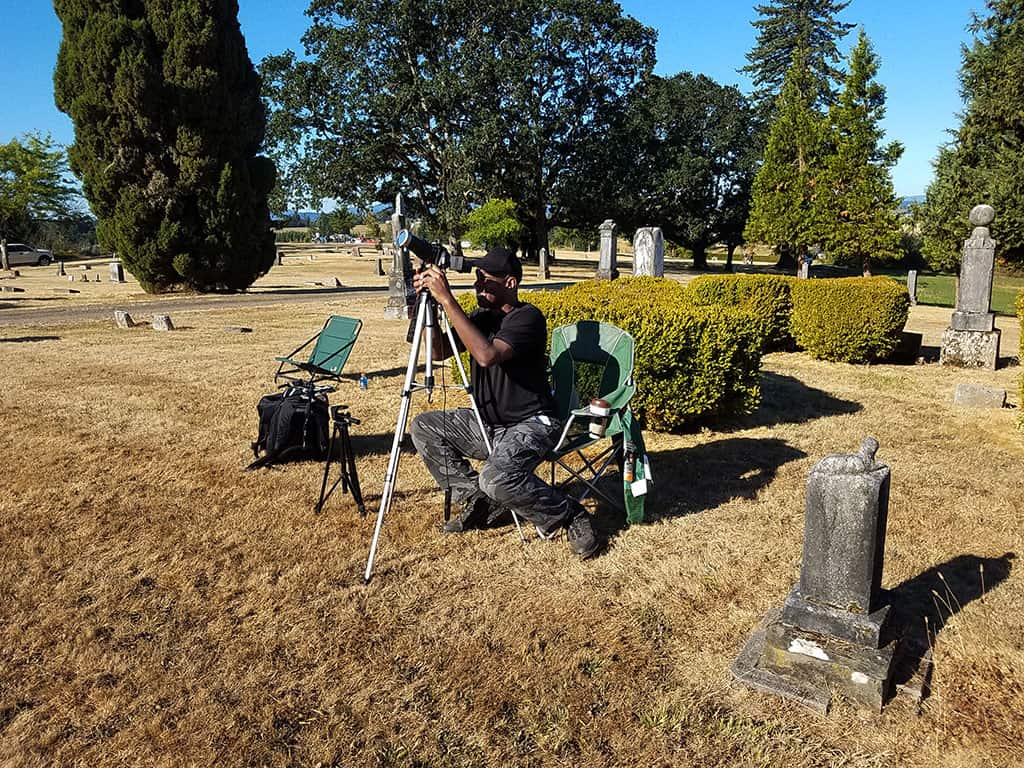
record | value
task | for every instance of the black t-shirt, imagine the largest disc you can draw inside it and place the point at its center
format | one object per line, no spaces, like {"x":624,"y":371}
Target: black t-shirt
{"x":518,"y":388}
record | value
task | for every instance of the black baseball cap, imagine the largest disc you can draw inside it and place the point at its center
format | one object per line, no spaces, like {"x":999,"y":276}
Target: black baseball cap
{"x":500,"y":261}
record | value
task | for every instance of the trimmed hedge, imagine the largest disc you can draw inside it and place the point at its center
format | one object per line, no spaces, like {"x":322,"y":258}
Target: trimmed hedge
{"x":767,"y":295}
{"x":691,"y":362}
{"x":849,"y":319}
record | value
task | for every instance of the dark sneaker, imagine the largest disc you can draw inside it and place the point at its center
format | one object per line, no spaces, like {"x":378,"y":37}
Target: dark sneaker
{"x":582,"y":539}
{"x":473,"y":516}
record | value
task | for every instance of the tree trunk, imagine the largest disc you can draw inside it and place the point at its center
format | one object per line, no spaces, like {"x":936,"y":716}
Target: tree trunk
{"x":700,"y":256}
{"x":730,"y":249}
{"x":787,"y":261}
{"x":3,"y":254}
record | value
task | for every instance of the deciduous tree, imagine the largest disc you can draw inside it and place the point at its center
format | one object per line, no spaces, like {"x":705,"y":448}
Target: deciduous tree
{"x":168,"y":128}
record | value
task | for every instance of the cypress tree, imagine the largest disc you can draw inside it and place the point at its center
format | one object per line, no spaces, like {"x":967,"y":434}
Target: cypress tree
{"x":857,"y":205}
{"x":789,"y":27}
{"x":783,"y":206}
{"x":168,"y":126}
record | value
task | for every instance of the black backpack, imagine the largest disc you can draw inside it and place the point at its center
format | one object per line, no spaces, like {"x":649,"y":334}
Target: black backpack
{"x":293,"y":424}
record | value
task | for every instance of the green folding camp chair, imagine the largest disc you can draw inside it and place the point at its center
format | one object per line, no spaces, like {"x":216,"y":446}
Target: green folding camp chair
{"x":331,"y":348}
{"x":595,"y":360}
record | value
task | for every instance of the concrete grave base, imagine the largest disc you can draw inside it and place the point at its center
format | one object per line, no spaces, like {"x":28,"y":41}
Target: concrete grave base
{"x":812,"y":669}
{"x":970,"y":349}
{"x":862,"y":628}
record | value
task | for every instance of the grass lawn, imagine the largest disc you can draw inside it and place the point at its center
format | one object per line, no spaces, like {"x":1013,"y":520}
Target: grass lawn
{"x":160,"y":607}
{"x":940,"y":290}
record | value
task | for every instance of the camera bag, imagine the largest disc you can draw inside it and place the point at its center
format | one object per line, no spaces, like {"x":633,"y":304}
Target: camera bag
{"x":293,"y":424}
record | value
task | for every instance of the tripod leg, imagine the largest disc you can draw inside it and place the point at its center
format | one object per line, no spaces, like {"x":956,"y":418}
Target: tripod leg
{"x":353,"y":478}
{"x":327,"y":470}
{"x":396,"y":446}
{"x":476,"y":412}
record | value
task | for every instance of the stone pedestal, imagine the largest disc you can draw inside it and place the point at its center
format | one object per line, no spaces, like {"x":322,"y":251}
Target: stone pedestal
{"x":543,"y":270}
{"x":972,"y":340}
{"x":649,"y":252}
{"x":607,"y":267}
{"x":912,"y":285}
{"x":401,"y":296}
{"x":831,"y":635}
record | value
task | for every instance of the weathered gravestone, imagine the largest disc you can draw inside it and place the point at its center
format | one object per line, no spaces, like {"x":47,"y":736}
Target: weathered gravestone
{"x":401,"y":296}
{"x":543,"y":270}
{"x":649,"y":252}
{"x":162,"y":323}
{"x":972,"y":340}
{"x":912,"y":285}
{"x":607,"y":268}
{"x":978,"y":396}
{"x":280,"y":258}
{"x":60,"y":269}
{"x":123,"y":319}
{"x":831,"y":634}
{"x":116,"y":272}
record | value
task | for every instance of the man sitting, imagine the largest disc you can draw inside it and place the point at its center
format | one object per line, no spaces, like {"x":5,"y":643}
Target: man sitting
{"x":506,"y":339}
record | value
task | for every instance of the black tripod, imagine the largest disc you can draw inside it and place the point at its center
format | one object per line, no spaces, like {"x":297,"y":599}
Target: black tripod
{"x":347,"y":475}
{"x":427,"y":313}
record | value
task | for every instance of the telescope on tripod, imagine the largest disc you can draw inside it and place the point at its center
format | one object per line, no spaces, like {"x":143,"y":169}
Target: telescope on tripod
{"x":423,"y":328}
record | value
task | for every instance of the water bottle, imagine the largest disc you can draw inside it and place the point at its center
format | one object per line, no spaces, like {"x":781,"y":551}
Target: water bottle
{"x":364,"y":382}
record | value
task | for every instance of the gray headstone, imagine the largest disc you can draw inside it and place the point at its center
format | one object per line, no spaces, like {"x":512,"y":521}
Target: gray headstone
{"x":830,"y":635}
{"x":85,"y":267}
{"x":912,"y":285}
{"x":607,"y":268}
{"x":649,"y":252}
{"x":12,"y":289}
{"x":97,"y":279}
{"x":162,"y":323}
{"x":60,"y":269}
{"x":804,"y":270}
{"x":123,"y":319}
{"x":543,"y":270}
{"x":280,"y":258}
{"x":380,"y":267}
{"x":337,"y":283}
{"x":401,"y":296}
{"x":978,"y":396}
{"x":84,"y":277}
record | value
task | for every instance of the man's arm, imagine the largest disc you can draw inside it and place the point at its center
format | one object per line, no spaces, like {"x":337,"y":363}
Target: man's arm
{"x":486,"y":353}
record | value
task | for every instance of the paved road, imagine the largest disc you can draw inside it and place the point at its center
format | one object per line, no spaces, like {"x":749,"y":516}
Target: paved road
{"x":69,"y":315}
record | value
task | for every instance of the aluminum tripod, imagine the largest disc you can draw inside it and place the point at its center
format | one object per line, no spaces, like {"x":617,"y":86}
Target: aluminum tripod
{"x":427,"y":312}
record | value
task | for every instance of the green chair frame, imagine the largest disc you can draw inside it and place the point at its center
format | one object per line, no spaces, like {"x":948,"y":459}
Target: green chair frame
{"x":331,"y":348}
{"x":611,"y":349}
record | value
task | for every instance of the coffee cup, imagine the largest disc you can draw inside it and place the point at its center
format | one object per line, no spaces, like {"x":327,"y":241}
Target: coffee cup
{"x":600,"y":410}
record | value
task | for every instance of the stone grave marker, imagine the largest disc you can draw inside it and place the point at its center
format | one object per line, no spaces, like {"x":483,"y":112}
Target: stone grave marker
{"x":649,"y":252}
{"x":912,"y":285}
{"x":972,"y":340}
{"x":123,"y":319}
{"x":401,"y":296}
{"x":280,"y":258}
{"x":978,"y":396}
{"x":543,"y":270}
{"x":116,"y":272}
{"x":162,"y":323}
{"x":337,"y":283}
{"x":60,"y":269}
{"x":831,"y":634}
{"x":237,"y":329}
{"x":607,"y":268}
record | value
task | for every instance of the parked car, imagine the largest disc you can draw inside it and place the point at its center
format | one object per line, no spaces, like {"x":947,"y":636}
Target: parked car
{"x":19,"y":254}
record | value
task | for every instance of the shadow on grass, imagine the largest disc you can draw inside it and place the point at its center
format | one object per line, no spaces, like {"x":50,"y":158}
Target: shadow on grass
{"x":701,"y":478}
{"x":787,"y":400}
{"x":922,"y":606}
{"x":23,"y":339}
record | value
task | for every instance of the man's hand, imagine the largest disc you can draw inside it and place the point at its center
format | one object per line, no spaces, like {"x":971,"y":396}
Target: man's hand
{"x":432,"y":278}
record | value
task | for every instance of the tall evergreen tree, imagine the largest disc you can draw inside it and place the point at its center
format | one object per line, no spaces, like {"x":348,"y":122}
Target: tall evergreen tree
{"x":985,"y":161}
{"x":786,"y":28}
{"x":168,"y":126}
{"x":857,"y":205}
{"x":783,"y":206}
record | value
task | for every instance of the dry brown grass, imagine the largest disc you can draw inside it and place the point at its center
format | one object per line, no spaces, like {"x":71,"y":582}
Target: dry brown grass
{"x":158,"y":606}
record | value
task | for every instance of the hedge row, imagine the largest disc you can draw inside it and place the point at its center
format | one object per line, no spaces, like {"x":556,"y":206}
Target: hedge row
{"x":849,"y":320}
{"x":691,"y":362}
{"x":767,"y":295}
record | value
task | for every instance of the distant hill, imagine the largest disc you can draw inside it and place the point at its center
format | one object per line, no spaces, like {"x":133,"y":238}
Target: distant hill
{"x":909,"y":200}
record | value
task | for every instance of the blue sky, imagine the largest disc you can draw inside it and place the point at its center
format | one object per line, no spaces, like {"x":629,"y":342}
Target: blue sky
{"x":918,"y":42}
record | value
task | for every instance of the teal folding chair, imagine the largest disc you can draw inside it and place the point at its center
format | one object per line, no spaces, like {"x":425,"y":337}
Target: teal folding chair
{"x":589,"y":360}
{"x":330,"y":350}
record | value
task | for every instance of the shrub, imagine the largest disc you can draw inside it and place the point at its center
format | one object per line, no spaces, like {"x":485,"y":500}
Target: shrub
{"x":767,"y":296}
{"x":691,"y":362}
{"x":849,"y":319}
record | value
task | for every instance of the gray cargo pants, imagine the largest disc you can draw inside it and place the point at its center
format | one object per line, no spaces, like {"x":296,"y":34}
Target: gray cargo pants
{"x":445,"y":439}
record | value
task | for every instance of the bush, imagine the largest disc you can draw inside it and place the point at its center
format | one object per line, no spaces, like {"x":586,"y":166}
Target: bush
{"x":691,"y":362}
{"x":767,"y":296}
{"x":849,"y":319}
